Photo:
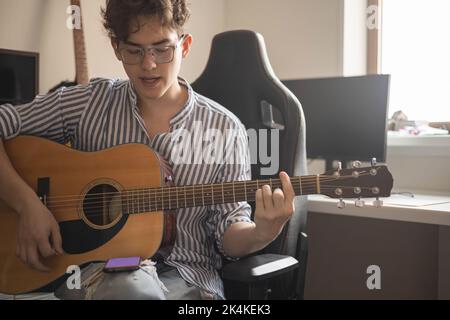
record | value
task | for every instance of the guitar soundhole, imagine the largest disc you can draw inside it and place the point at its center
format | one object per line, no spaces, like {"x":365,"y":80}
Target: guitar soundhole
{"x":102,"y":205}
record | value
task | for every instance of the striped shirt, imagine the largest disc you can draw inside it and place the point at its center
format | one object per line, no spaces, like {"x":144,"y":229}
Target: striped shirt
{"x":104,"y":114}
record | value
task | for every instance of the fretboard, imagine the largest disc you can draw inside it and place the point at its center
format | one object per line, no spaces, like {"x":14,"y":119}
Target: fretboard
{"x":171,"y":198}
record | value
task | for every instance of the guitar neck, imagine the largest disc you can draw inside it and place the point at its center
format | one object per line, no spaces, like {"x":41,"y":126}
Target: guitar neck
{"x":82,"y":75}
{"x":170,"y":198}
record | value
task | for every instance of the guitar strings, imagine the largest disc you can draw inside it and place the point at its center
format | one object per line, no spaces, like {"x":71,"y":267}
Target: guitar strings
{"x":162,"y":192}
{"x":159,"y":210}
{"x":161,"y":203}
{"x":139,"y":190}
{"x":134,"y":199}
{"x":310,"y":180}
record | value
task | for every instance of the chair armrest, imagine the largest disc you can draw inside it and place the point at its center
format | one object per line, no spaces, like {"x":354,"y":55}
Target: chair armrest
{"x":260,"y":267}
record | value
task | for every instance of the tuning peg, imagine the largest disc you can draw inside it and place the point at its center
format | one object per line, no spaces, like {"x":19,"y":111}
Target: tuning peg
{"x":374,"y":162}
{"x":360,"y":203}
{"x":339,"y":166}
{"x":356,"y":164}
{"x":378,"y":203}
{"x":341,"y":204}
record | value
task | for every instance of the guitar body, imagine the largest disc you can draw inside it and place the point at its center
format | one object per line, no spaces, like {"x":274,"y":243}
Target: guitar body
{"x":89,"y":233}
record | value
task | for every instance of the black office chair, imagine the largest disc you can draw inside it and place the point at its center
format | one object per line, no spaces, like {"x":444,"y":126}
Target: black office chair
{"x":239,"y":76}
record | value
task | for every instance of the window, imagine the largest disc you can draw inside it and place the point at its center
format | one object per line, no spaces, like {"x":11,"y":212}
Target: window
{"x":415,"y":50}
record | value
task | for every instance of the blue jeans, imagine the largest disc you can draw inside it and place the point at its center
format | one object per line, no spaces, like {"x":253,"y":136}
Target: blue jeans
{"x":180,"y":289}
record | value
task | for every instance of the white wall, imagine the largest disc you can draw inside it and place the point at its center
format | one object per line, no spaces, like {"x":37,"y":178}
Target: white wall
{"x":303,"y":37}
{"x":207,"y":20}
{"x":40,"y":26}
{"x":56,"y":45}
{"x":20,"y":24}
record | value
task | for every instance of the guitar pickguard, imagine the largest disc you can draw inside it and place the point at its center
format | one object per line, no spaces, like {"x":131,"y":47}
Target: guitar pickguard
{"x":79,"y":238}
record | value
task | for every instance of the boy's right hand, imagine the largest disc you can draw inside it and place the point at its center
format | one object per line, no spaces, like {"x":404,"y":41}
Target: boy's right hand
{"x":38,"y":235}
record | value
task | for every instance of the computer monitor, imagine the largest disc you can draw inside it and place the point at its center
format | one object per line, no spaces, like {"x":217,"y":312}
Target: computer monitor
{"x":346,"y":117}
{"x":19,"y":76}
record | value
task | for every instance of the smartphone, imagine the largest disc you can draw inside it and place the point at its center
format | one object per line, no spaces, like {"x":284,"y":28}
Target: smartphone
{"x":122,"y":264}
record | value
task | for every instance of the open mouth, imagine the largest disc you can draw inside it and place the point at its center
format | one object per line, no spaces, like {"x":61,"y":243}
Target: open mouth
{"x":150,"y":81}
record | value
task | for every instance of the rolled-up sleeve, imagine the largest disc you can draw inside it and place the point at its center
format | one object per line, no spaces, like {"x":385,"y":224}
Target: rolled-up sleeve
{"x":53,"y":116}
{"x":227,"y":214}
{"x":9,"y":122}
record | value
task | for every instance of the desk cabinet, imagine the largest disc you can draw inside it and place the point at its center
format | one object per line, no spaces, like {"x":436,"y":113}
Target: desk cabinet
{"x":414,"y":258}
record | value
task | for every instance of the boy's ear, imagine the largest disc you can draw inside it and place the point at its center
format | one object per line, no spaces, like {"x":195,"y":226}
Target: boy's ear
{"x":115,"y":45}
{"x":187,"y":43}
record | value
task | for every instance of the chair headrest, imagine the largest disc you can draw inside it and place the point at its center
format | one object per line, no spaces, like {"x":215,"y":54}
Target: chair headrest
{"x":239,"y":53}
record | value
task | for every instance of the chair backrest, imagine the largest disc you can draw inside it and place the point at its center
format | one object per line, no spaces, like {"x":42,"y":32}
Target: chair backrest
{"x":239,"y":77}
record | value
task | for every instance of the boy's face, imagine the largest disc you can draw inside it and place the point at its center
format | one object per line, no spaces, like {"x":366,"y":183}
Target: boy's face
{"x":150,"y":79}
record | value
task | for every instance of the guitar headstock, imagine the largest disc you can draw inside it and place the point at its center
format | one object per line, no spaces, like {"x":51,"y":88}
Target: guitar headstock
{"x":369,"y":182}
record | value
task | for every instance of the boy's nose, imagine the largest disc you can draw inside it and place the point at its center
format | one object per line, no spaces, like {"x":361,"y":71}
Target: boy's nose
{"x":148,"y":62}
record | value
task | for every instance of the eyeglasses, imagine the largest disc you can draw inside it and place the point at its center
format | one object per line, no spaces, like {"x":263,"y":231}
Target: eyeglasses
{"x":132,"y":54}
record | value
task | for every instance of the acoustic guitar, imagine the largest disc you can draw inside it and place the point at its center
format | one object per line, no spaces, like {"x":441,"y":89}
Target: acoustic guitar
{"x":111,"y":203}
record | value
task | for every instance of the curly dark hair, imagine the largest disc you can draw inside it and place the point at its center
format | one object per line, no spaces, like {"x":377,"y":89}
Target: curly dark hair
{"x":118,"y":15}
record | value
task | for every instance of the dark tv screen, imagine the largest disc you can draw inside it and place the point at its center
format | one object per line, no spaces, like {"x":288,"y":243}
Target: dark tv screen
{"x":19,"y":76}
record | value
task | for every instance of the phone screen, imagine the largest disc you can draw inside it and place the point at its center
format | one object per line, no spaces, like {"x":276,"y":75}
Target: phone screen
{"x":130,"y":263}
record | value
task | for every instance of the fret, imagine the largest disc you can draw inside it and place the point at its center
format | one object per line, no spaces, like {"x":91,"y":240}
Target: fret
{"x":245,"y":190}
{"x":193,"y":194}
{"x":170,"y":204}
{"x":190,"y":200}
{"x":138,"y":201}
{"x":176,"y":190}
{"x":271,"y":187}
{"x":217,"y":193}
{"x":144,"y":200}
{"x":156,"y":200}
{"x":144,"y":204}
{"x":128,"y":202}
{"x":132,"y":201}
{"x":207,"y":196}
{"x":212,"y":194}
{"x":223,"y":194}
{"x":198,"y":194}
{"x":318,"y":183}
{"x":203,"y":197}
{"x":135,"y":205}
{"x":234,"y":193}
{"x":301,"y":187}
{"x":185,"y":202}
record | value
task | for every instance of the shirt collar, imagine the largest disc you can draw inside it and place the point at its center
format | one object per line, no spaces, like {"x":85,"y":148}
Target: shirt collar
{"x":182,"y":114}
